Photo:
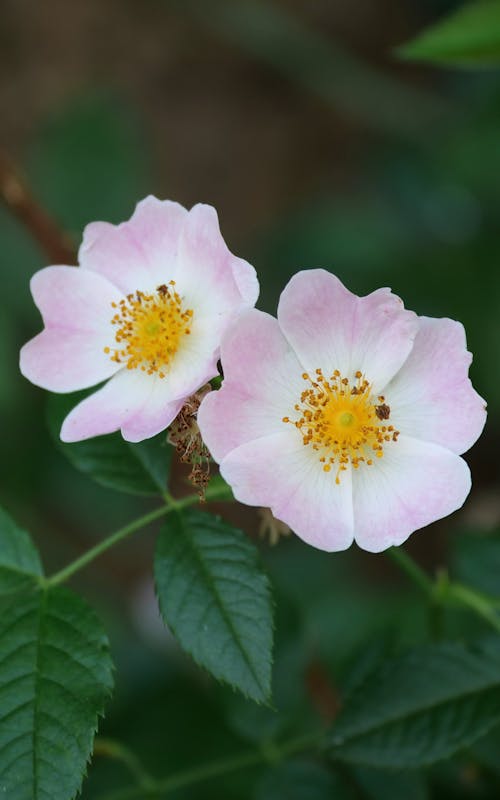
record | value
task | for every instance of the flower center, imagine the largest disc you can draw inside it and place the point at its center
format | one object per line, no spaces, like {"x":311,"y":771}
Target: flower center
{"x":342,"y":421}
{"x":149,"y":329}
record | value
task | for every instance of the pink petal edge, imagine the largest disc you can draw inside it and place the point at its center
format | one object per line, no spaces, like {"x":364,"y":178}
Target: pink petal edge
{"x":414,"y":484}
{"x":261,"y":386}
{"x":278,"y":472}
{"x":331,"y":328}
{"x":431,"y":397}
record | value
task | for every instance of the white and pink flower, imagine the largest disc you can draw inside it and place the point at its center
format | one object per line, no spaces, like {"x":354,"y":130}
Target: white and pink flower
{"x":146,"y":309}
{"x":346,"y":416}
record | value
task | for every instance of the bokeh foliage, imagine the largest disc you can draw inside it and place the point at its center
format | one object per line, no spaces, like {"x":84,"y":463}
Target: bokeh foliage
{"x":404,"y":192}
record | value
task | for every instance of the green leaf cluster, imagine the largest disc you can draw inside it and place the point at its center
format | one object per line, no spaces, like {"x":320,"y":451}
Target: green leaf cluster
{"x":55,"y":676}
{"x":422,"y":706}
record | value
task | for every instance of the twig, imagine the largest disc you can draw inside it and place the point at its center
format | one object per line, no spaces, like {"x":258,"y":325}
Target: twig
{"x":18,"y":198}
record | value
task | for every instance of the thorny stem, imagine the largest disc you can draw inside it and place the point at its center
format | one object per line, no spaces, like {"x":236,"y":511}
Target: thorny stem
{"x":18,"y":198}
{"x":215,"y":769}
{"x":171,"y":504}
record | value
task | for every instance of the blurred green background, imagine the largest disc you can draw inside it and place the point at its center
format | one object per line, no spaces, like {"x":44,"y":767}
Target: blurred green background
{"x":318,"y":148}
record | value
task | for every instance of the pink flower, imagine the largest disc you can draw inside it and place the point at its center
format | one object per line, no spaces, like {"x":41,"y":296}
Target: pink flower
{"x":346,"y":416}
{"x":146,"y":308}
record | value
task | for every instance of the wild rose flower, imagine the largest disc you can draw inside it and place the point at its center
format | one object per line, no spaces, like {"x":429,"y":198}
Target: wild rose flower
{"x":146,"y":308}
{"x":346,"y":416}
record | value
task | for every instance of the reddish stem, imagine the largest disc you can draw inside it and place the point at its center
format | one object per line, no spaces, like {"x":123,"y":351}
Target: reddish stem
{"x":18,"y":198}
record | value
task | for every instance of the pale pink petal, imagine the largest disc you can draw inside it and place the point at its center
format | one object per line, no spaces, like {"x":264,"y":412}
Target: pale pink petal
{"x":278,"y":472}
{"x":108,"y":409}
{"x":263,"y":384}
{"x":138,"y":404}
{"x":195,"y":361}
{"x":412,"y":485}
{"x":140,"y":253}
{"x":74,"y":300}
{"x":155,"y":415}
{"x":431,"y":397}
{"x":246,"y":280}
{"x":76,"y":308}
{"x":209,"y":277}
{"x":331,"y":328}
{"x":65,"y":361}
{"x":157,"y":225}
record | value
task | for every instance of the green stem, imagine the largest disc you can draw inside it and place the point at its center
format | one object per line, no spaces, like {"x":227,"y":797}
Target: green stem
{"x":444,"y":592}
{"x":171,"y":504}
{"x":216,"y":769}
{"x":474,"y":601}
{"x":109,"y":748}
{"x":416,"y":573}
{"x":106,"y":544}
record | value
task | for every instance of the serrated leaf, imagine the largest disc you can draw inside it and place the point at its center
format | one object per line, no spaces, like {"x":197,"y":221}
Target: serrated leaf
{"x":140,"y":468}
{"x":55,"y":674}
{"x":19,"y":560}
{"x":468,"y":37}
{"x":421,"y":707}
{"x":216,"y":599}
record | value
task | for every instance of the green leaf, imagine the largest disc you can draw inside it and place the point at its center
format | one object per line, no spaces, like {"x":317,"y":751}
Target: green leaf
{"x":140,"y":468}
{"x":485,"y":751}
{"x":291,"y":700}
{"x":468,"y":37}
{"x":215,"y":598}
{"x":19,"y":560}
{"x":55,"y":675}
{"x":421,"y":707}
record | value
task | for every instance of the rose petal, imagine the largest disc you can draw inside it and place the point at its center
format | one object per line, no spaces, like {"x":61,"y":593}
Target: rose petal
{"x":108,"y":409}
{"x":263,"y":383}
{"x":331,"y":328}
{"x":155,"y":415}
{"x":210,"y":278}
{"x":63,"y":361}
{"x":138,"y":254}
{"x":74,"y":300}
{"x":431,"y":397}
{"x":76,"y":308}
{"x":412,"y":485}
{"x":280,"y":473}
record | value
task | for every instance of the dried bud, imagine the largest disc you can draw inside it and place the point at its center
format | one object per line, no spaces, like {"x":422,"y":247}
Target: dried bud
{"x":184,"y":434}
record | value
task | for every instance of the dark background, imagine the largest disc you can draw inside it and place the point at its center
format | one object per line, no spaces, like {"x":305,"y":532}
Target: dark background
{"x":318,"y":147}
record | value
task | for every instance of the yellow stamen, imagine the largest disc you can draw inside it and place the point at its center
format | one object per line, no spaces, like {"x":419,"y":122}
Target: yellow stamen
{"x":149,"y":329}
{"x":342,"y":422}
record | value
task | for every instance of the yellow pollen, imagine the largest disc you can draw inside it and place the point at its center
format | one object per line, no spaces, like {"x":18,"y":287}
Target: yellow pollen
{"x":342,"y":422}
{"x":149,"y":329}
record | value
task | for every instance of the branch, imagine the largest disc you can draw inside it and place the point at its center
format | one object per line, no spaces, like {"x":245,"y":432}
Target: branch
{"x":19,"y":200}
